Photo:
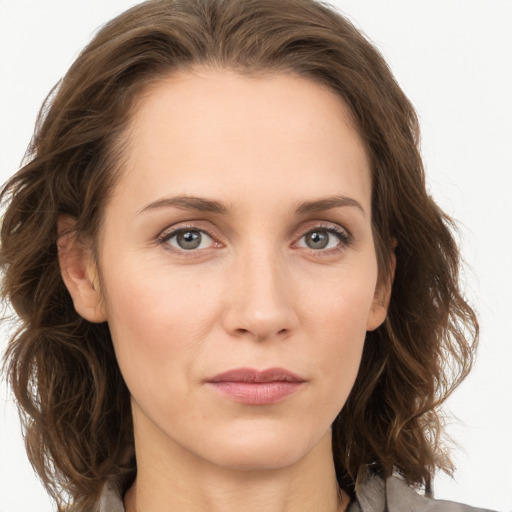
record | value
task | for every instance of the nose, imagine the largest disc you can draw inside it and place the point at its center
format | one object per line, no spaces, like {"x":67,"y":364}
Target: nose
{"x":260,"y":298}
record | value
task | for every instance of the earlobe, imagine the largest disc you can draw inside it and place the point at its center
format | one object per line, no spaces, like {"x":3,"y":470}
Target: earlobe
{"x":79,"y":272}
{"x":382,"y":297}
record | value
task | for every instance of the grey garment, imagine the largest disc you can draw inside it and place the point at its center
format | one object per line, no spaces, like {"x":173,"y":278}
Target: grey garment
{"x":394,"y":495}
{"x":110,"y":501}
{"x":375,"y":495}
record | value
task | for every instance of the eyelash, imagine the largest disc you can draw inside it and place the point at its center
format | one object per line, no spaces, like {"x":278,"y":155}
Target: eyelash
{"x":343,"y":236}
{"x":167,"y":235}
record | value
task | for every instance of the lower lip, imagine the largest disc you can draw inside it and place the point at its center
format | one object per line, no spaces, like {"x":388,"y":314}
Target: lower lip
{"x":257,"y":393}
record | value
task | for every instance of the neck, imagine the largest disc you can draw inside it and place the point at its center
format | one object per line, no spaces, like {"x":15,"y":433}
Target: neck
{"x":174,"y":479}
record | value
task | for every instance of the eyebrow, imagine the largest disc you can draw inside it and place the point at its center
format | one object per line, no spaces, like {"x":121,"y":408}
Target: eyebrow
{"x":191,"y":203}
{"x":328,"y":203}
{"x":201,"y":204}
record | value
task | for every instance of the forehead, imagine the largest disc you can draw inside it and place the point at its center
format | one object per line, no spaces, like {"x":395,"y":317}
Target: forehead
{"x":212,"y":132}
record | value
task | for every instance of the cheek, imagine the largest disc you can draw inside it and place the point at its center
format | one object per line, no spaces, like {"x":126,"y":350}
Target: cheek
{"x":337,"y":324}
{"x":156,"y":321}
{"x":340,"y":304}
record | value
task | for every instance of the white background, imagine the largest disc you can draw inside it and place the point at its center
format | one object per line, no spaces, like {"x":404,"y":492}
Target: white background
{"x":454,"y":60}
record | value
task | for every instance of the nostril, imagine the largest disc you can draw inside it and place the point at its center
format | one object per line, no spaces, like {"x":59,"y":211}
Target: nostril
{"x":243,"y":332}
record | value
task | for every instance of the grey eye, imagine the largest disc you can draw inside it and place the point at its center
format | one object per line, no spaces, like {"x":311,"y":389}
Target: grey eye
{"x":318,"y":239}
{"x":189,"y":239}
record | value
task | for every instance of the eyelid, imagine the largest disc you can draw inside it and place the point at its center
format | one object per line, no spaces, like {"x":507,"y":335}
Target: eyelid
{"x":343,"y":234}
{"x":174,"y":230}
{"x":322,"y":224}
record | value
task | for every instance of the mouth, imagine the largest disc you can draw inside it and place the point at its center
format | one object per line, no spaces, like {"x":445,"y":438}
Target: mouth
{"x":254,"y":387}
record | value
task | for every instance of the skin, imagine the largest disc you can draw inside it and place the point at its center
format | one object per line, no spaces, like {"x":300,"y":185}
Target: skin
{"x":255,"y":293}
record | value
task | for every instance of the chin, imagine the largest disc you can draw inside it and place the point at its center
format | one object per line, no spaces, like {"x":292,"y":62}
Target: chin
{"x":265,"y":449}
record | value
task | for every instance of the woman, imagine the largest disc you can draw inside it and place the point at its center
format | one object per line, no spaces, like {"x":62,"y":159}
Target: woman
{"x":234,"y":289}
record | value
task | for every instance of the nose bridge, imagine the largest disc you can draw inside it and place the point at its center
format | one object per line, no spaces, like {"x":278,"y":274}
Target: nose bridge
{"x":261,"y":302}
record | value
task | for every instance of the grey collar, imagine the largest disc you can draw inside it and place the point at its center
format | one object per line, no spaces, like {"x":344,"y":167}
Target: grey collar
{"x":374,"y":495}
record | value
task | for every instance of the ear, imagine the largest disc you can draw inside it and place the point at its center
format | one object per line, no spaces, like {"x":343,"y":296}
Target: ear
{"x":79,"y":272}
{"x":380,"y":305}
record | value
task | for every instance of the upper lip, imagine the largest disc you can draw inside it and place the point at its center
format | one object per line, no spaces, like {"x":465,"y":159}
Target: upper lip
{"x":251,"y":375}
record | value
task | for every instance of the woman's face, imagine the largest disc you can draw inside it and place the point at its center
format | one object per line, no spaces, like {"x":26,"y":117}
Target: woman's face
{"x":239,"y":237}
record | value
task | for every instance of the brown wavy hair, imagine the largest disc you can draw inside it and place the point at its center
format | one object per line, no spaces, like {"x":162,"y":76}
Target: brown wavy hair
{"x":73,"y":402}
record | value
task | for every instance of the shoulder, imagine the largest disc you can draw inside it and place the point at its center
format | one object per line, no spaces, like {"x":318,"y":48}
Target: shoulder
{"x":394,"y":495}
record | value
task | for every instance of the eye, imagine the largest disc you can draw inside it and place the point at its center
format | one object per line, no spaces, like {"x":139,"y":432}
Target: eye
{"x":187,"y":239}
{"x":320,"y":238}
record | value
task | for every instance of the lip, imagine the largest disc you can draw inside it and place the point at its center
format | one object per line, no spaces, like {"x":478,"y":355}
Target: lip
{"x":257,"y":387}
{"x":251,"y":375}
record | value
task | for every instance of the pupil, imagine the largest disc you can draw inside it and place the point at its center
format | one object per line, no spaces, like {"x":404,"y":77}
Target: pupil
{"x":189,"y":239}
{"x":317,"y":240}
